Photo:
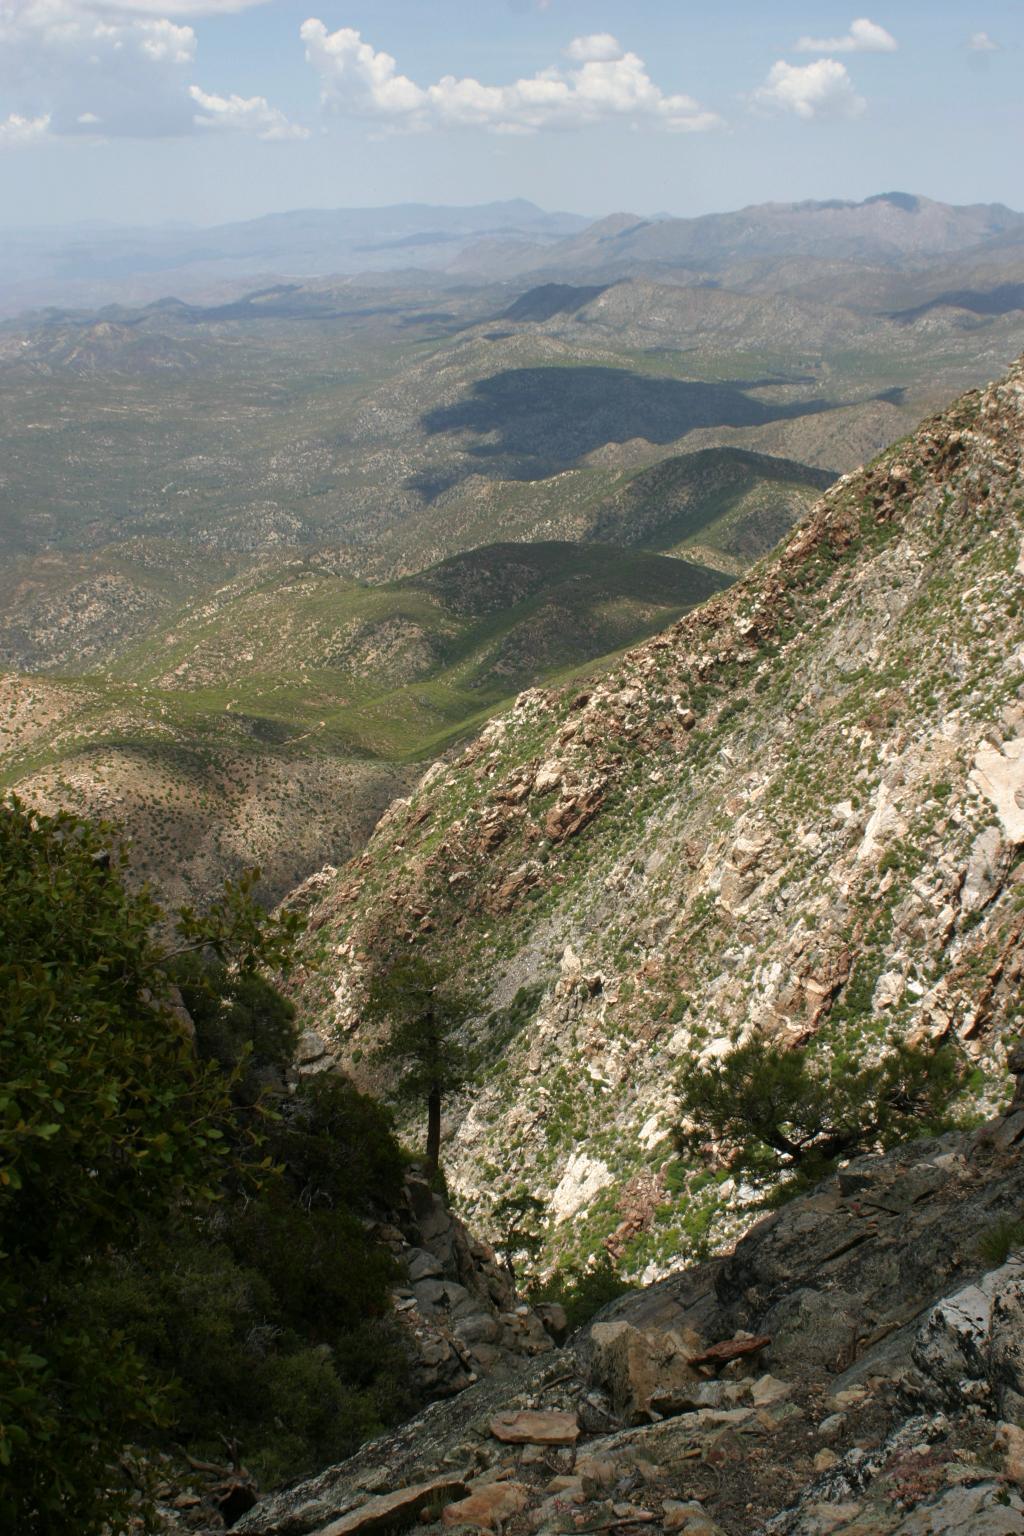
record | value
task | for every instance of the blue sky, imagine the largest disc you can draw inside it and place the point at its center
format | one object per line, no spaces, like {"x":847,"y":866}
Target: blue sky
{"x":143,"y":111}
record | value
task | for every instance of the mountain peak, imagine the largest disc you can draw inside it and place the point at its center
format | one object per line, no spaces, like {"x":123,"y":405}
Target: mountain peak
{"x":905,"y":201}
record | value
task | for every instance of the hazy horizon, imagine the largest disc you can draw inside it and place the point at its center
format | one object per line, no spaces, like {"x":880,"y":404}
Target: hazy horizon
{"x":587,"y":214}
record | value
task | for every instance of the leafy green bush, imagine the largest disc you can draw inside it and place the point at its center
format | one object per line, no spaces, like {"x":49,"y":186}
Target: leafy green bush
{"x":242,"y":1022}
{"x":795,"y":1112}
{"x":265,"y":1325}
{"x":338,"y":1145}
{"x":181,"y":1260}
{"x":266,"y":1320}
{"x":107,"y":1120}
{"x":582,"y":1290}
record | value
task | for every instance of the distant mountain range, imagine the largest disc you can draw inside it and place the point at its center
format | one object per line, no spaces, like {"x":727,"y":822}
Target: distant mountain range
{"x":491,"y":242}
{"x":94,"y":265}
{"x":890,"y":227}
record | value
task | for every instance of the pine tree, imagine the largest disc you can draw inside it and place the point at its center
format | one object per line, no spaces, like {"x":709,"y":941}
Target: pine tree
{"x":422,"y":1017}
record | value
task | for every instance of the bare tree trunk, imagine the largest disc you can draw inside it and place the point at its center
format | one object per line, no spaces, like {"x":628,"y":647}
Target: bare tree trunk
{"x":433,"y":1129}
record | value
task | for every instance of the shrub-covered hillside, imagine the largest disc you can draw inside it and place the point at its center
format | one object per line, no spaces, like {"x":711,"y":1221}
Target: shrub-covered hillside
{"x":796,"y":814}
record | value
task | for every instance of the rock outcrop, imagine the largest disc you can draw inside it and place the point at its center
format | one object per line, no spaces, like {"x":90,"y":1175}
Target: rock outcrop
{"x":459,"y":1307}
{"x":852,"y":1368}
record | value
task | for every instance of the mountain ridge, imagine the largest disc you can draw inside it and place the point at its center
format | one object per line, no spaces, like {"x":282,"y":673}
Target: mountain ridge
{"x":794,"y":809}
{"x":91,"y":265}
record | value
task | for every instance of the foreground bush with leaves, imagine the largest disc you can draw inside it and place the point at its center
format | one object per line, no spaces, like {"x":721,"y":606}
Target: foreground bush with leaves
{"x":157,"y":1259}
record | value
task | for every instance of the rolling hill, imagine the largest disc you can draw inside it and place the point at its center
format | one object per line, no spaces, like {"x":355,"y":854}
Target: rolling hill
{"x":274,"y":722}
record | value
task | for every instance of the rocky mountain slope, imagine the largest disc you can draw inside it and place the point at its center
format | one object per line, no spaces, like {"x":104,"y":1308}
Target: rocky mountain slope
{"x":798,"y":811}
{"x":854,"y":1366}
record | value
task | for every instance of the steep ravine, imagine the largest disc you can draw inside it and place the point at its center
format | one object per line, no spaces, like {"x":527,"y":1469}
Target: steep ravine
{"x":799,"y":810}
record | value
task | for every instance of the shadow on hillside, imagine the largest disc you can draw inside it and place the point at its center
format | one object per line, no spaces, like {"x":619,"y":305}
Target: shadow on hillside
{"x":1001,"y":300}
{"x":527,"y":423}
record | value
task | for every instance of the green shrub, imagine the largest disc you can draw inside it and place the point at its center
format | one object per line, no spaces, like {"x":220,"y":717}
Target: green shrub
{"x":235,"y":1357}
{"x":182,"y":1261}
{"x":1003,"y":1238}
{"x":107,"y":1121}
{"x":582,"y":1289}
{"x":338,"y":1146}
{"x":242,"y":1022}
{"x":798,"y":1113}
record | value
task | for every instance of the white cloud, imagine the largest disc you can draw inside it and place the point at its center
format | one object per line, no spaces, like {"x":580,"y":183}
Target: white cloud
{"x":607,"y":83}
{"x":819,"y":90}
{"x":864,"y":36}
{"x":598,"y":48}
{"x":16,"y":131}
{"x":69,"y":60}
{"x":111,"y":63}
{"x":248,"y":114}
{"x":163,"y":42}
{"x":980,"y":42}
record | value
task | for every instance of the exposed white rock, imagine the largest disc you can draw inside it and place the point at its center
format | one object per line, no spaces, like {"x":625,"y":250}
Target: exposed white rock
{"x":981,"y":880}
{"x":583,"y":1177}
{"x":651,"y":1132}
{"x":999,"y":774}
{"x":884,"y":824}
{"x":547,"y":777}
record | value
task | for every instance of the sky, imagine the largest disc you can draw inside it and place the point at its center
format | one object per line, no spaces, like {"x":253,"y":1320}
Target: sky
{"x":208,"y":111}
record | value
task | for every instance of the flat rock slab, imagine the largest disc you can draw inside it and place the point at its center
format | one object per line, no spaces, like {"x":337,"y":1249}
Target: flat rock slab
{"x":729,"y":1349}
{"x":390,"y":1510}
{"x":536,"y":1428}
{"x":488,"y":1506}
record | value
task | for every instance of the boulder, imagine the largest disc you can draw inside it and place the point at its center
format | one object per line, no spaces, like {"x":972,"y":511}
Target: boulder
{"x":971,"y":1346}
{"x":478,"y":1328}
{"x":536,"y":1427}
{"x":1009,"y":1442}
{"x":553,"y":1319}
{"x":489,"y":1505}
{"x":815,"y":1326}
{"x":635,"y":1366}
{"x":1006,"y":1344}
{"x":434,"y":1294}
{"x":689,"y":1518}
{"x":391,"y":1510}
{"x":423,"y":1265}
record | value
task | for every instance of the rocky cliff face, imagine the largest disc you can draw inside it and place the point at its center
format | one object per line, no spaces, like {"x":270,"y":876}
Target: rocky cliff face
{"x":853,"y":1367}
{"x":800,"y":810}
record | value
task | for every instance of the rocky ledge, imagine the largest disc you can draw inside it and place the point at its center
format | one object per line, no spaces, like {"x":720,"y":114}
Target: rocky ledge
{"x":459,"y":1308}
{"x":855,"y":1367}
